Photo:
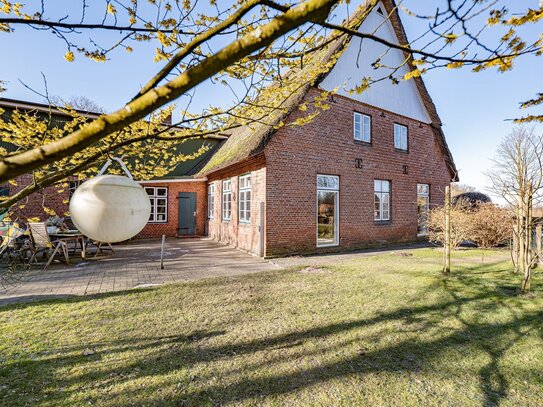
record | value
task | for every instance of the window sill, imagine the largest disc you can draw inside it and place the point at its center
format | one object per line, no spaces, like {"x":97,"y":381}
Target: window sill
{"x":382,"y":222}
{"x":319,"y":246}
{"x":362,"y":142}
{"x":158,"y":223}
{"x":400,"y":150}
{"x":244,"y":223}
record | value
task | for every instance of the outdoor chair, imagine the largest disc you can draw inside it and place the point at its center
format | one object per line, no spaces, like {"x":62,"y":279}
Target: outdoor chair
{"x":42,"y":244}
{"x":10,"y":247}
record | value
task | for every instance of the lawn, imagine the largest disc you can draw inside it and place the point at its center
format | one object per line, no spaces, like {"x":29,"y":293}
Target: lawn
{"x":387,"y":330}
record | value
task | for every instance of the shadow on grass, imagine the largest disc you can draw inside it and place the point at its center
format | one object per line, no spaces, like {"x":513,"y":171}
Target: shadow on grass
{"x":164,"y":354}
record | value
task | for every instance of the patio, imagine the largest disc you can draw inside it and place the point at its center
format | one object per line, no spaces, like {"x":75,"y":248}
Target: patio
{"x":134,"y":265}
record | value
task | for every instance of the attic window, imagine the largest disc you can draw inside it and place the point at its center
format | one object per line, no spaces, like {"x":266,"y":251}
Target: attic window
{"x":380,"y":11}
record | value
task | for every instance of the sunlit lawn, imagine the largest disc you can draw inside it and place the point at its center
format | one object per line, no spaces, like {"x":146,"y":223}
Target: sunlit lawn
{"x":384,"y":330}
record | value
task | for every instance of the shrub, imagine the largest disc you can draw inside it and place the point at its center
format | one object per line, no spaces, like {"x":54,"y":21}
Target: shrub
{"x":489,"y":226}
{"x":459,"y":225}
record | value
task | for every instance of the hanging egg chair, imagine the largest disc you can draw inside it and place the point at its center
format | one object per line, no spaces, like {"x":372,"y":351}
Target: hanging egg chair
{"x":110,"y":208}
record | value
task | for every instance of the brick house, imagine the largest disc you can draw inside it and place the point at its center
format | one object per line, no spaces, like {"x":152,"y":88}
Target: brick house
{"x":363,"y":172}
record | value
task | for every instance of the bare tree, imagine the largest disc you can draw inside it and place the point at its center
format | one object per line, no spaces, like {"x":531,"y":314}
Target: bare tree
{"x":517,"y":176}
{"x":457,"y":188}
{"x":81,"y":103}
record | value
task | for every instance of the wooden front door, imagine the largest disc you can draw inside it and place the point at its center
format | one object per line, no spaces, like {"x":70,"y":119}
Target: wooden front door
{"x":187,"y":213}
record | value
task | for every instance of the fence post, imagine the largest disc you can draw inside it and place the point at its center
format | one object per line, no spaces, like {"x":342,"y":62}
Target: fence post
{"x":162,"y":252}
{"x":447,"y":243}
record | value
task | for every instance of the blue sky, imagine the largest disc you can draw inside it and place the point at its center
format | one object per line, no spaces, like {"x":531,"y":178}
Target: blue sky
{"x":474,"y":108}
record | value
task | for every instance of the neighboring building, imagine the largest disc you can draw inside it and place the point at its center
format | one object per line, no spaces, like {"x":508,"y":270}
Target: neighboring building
{"x":362,"y":173}
{"x":163,"y":193}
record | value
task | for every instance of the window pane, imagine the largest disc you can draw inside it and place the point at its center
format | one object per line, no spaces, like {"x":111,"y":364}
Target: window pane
{"x":385,"y":186}
{"x":377,"y":207}
{"x":161,"y":191}
{"x":328,"y":182}
{"x":377,"y":185}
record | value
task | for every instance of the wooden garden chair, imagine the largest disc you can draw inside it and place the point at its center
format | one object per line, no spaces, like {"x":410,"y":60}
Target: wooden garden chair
{"x":41,"y":243}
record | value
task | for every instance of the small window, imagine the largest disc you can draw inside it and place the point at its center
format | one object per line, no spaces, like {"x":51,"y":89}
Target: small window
{"x":159,"y":204}
{"x":400,"y":137}
{"x":226,"y":199}
{"x":381,"y":200}
{"x":245,"y":198}
{"x":362,"y":127}
{"x":210,"y":200}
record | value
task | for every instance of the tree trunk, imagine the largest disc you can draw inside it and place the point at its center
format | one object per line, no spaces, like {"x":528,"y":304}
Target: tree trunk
{"x":528,"y":264}
{"x":447,"y":242}
{"x":538,"y":235}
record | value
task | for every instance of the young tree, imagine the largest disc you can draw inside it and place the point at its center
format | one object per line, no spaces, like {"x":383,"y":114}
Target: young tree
{"x":517,"y":176}
{"x":256,"y":46}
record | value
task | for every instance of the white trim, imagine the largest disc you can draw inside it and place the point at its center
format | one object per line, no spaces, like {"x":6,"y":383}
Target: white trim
{"x":336,"y":212}
{"x":159,"y":181}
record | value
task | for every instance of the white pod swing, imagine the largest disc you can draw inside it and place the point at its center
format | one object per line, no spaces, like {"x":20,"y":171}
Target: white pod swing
{"x":110,"y":208}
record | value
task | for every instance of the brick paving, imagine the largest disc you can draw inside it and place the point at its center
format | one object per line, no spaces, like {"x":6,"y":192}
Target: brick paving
{"x":134,"y":265}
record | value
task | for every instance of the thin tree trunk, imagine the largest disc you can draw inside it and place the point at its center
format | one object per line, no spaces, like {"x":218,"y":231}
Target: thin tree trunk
{"x":526,"y":282}
{"x":447,"y":243}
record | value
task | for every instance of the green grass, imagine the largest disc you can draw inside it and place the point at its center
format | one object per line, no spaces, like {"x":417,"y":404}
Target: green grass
{"x":387,"y":330}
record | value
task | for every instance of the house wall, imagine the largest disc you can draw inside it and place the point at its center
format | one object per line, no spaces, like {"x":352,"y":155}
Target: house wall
{"x":54,"y":198}
{"x":169,"y":228}
{"x":296,"y":154}
{"x":245,"y":236}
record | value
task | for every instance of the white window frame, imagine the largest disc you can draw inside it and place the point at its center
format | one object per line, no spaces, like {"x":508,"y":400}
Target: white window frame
{"x":380,"y":190}
{"x":401,"y":135}
{"x":328,"y":183}
{"x":210,"y":201}
{"x":362,"y":127}
{"x":226,"y":209}
{"x":423,"y":191}
{"x":155,"y":199}
{"x":244,"y":190}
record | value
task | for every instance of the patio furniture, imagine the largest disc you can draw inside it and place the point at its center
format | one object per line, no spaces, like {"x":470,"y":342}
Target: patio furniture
{"x":100,"y":246}
{"x":41,"y":243}
{"x":74,"y":236}
{"x":11,"y":245}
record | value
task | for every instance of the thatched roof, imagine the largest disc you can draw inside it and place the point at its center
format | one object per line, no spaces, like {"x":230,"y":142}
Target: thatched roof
{"x":249,"y":140}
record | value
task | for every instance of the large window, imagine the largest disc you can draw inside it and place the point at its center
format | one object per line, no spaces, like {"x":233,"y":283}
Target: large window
{"x":159,"y":204}
{"x":327,"y":210}
{"x":400,"y":137}
{"x":423,"y":208}
{"x":226,"y":199}
{"x":244,"y":201}
{"x":381,"y":190}
{"x":362,"y":127}
{"x":210,"y":200}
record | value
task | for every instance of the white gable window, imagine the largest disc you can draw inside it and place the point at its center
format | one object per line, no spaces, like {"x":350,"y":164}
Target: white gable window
{"x":362,"y":127}
{"x":226,"y":199}
{"x":159,"y":204}
{"x":400,"y":137}
{"x":381,"y":189}
{"x":245,"y":198}
{"x":210,"y":200}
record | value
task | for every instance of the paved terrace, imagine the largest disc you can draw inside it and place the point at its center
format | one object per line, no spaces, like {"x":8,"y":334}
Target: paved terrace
{"x":134,"y":265}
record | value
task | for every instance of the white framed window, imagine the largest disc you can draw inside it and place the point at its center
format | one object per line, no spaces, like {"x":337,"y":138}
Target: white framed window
{"x":327,"y":210}
{"x":244,"y":201}
{"x":381,"y":191}
{"x":159,"y":204}
{"x":423,"y":208}
{"x":362,"y":127}
{"x":400,"y":137}
{"x":226,"y":199}
{"x":210,"y":200}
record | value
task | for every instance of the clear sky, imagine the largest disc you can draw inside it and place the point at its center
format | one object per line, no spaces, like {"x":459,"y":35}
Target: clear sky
{"x":473,"y":107}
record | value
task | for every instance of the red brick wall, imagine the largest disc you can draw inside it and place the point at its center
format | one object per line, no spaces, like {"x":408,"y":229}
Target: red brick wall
{"x":170,"y":228}
{"x":241,"y":235}
{"x":295,"y":155}
{"x":54,"y":198}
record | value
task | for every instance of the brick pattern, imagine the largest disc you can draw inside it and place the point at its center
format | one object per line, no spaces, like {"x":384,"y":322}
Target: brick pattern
{"x":245,"y":236}
{"x":170,"y":228}
{"x":295,"y":155}
{"x":54,"y":197}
